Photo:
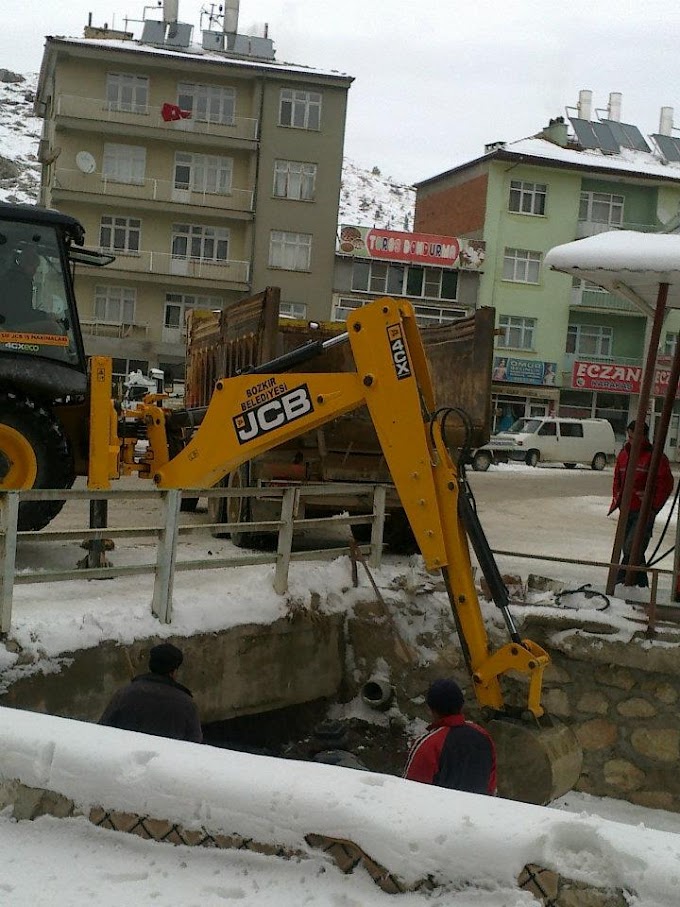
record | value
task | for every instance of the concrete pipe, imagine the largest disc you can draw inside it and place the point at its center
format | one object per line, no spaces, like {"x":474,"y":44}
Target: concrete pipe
{"x":377,"y":693}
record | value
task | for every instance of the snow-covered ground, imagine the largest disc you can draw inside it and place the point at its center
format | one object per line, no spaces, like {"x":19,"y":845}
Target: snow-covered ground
{"x":411,"y":828}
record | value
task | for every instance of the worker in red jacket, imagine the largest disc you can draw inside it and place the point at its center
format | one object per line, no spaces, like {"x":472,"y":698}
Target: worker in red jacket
{"x":662,"y":490}
{"x":454,"y":753}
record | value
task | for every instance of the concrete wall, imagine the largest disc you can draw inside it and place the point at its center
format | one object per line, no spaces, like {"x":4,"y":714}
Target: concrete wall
{"x":241,"y":671}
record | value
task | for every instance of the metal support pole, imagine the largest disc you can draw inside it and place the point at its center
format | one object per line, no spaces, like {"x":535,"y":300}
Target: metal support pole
{"x":378,"y":526}
{"x":9,"y":514}
{"x":161,"y":605}
{"x":96,"y":547}
{"x":288,"y":508}
{"x":660,"y":434}
{"x":643,"y":403}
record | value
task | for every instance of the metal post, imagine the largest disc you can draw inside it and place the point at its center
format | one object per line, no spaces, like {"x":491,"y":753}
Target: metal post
{"x":643,"y":402}
{"x":96,"y":547}
{"x":288,"y":507}
{"x":660,"y":433}
{"x":161,"y":606}
{"x":378,"y":526}
{"x":9,"y":514}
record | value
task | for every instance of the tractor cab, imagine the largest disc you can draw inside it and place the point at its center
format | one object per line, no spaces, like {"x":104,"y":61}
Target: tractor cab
{"x":41,"y":347}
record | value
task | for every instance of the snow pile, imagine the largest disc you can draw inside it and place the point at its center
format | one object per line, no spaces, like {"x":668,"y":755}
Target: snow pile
{"x":460,"y":840}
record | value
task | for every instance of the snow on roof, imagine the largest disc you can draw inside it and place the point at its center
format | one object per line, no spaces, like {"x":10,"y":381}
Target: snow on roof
{"x":198,"y":54}
{"x":626,"y":263}
{"x":626,"y":160}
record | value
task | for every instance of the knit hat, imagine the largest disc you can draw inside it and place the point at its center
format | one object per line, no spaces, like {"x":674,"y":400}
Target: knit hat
{"x":645,"y":428}
{"x":165,"y":658}
{"x":445,"y":697}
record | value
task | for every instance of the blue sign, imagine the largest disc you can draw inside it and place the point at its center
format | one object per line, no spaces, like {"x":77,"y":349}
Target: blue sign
{"x":524,"y":371}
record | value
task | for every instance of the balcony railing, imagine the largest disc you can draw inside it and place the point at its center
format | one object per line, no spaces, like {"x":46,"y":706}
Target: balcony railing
{"x":98,"y":110}
{"x":591,"y":228}
{"x":154,"y":189}
{"x":164,"y":263}
{"x":121,"y":330}
{"x":570,"y":358}
{"x":595,"y":299}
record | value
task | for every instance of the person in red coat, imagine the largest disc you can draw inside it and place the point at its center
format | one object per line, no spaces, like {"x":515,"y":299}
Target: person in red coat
{"x":662,"y":490}
{"x":454,"y":753}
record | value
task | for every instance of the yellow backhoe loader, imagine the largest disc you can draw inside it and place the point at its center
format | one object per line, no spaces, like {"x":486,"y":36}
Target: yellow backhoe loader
{"x":69,"y":408}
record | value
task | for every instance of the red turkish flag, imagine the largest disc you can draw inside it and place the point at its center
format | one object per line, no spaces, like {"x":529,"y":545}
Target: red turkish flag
{"x":173,"y":112}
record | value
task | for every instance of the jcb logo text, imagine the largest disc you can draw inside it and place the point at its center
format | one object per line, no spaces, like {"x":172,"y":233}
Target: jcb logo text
{"x":273,"y":414}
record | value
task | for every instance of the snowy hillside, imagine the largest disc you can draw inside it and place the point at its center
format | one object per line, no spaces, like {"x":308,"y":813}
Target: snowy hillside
{"x":366,"y":199}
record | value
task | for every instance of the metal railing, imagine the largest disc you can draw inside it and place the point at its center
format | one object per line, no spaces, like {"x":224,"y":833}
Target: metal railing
{"x":153,"y":189}
{"x":169,"y":531}
{"x":150,"y":262}
{"x":100,"y":111}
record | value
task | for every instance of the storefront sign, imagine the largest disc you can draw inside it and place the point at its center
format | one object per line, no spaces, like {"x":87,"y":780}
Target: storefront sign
{"x":418,"y":248}
{"x":524,"y":371}
{"x":614,"y":378}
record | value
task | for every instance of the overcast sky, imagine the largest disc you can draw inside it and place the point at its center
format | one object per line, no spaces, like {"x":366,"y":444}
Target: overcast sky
{"x":435,"y":80}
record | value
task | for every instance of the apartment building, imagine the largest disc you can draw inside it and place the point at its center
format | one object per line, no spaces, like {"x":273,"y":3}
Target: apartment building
{"x":208,"y":169}
{"x":563,"y":345}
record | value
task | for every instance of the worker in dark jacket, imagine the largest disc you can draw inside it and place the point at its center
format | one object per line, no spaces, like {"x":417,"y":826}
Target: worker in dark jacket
{"x":155,"y":703}
{"x":454,"y":753}
{"x":663,"y":487}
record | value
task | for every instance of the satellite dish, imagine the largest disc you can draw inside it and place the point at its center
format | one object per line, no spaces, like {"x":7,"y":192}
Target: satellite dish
{"x":85,"y":162}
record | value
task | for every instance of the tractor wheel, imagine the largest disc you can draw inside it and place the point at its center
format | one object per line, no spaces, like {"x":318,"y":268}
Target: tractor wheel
{"x":34,"y":453}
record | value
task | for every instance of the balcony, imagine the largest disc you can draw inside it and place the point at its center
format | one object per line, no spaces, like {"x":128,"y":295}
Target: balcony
{"x":120,"y":331}
{"x":163,"y":263}
{"x":99,"y":111}
{"x":592,"y":228}
{"x":151,"y":190}
{"x":570,"y":358}
{"x":600,"y":299}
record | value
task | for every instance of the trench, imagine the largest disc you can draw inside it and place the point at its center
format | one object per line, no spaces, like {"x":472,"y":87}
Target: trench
{"x":306,"y":733}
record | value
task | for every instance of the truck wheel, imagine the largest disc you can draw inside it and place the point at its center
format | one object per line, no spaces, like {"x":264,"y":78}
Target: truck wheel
{"x":238,"y":509}
{"x":599,"y":462}
{"x":217,"y":512}
{"x":34,"y":453}
{"x":399,"y":535}
{"x":532,"y":457}
{"x":481,"y":461}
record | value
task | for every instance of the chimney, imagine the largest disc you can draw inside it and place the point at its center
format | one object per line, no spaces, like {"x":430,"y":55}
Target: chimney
{"x":170,"y":11}
{"x":585,"y":104}
{"x":231,"y":17}
{"x":556,"y":132}
{"x":666,"y":121}
{"x":614,"y":107}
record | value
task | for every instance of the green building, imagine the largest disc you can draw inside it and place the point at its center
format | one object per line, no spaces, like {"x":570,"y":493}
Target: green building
{"x":563,"y":346}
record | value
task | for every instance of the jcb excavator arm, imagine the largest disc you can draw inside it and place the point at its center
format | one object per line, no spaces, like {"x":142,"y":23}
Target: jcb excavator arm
{"x":254,"y":412}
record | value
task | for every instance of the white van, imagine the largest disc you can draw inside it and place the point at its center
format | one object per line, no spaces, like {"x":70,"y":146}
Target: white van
{"x":550,"y":439}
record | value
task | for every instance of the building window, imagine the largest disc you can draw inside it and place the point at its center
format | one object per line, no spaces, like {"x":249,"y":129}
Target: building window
{"x":601,"y":208}
{"x":669,"y":345}
{"x":124,"y":163}
{"x":200,"y":243}
{"x":207,"y":103}
{"x":127,"y":93}
{"x":115,"y":305}
{"x":178,"y":304}
{"x":120,"y":234}
{"x":290,"y":251}
{"x":521,"y":265}
{"x":527,"y":198}
{"x":518,"y":332}
{"x":425,"y":314}
{"x":203,"y":173}
{"x":293,"y":310}
{"x":404,"y":280}
{"x":590,"y":340}
{"x":295,"y":180}
{"x":300,"y":109}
